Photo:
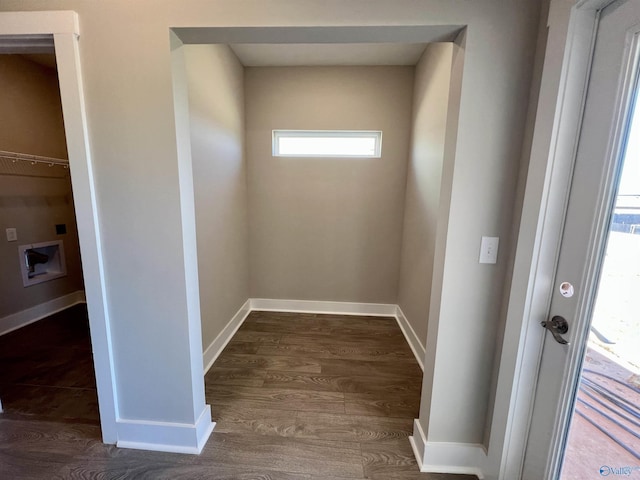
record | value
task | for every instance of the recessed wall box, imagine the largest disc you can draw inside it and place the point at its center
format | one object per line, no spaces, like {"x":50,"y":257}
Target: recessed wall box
{"x":41,"y":262}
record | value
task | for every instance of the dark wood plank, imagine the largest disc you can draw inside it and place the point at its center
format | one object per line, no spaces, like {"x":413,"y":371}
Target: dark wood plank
{"x":241,"y":347}
{"x":342,"y":383}
{"x":351,"y":428}
{"x":264,"y":338}
{"x":248,"y":377}
{"x":52,"y":437}
{"x":284,"y":328}
{"x":301,"y":325}
{"x":234,"y":418}
{"x":51,"y":403}
{"x":365,"y":339}
{"x":269,"y":362}
{"x":305,"y":381}
{"x":381,"y":385}
{"x":381,"y":459}
{"x":335,"y":350}
{"x":324,"y":477}
{"x":284,"y":454}
{"x":329,"y":320}
{"x":109,"y":462}
{"x":408,"y":369}
{"x":116,"y":455}
{"x":403,"y":406}
{"x":394,"y":460}
{"x":302,"y":322}
{"x":224,"y":472}
{"x":92,"y":469}
{"x":31,"y":465}
{"x":275,"y":398}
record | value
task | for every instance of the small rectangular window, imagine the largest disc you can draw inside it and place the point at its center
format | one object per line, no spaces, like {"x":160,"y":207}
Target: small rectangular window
{"x":327,"y":143}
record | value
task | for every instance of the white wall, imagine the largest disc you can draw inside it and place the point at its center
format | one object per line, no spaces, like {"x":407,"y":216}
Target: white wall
{"x":439,"y":376}
{"x":216,"y":114}
{"x":430,"y":105}
{"x":128,"y":89}
{"x":327,"y":228}
{"x":519,"y":199}
{"x":33,"y":198}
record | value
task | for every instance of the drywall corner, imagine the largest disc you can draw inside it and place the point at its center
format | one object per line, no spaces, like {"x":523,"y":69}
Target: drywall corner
{"x":216,"y":116}
{"x":424,"y":178}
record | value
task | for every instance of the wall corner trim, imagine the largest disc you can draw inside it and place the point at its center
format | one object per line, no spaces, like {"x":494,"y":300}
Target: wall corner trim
{"x":166,"y":436}
{"x":214,"y":350}
{"x":447,"y":457}
{"x":38,"y":312}
{"x":414,"y":342}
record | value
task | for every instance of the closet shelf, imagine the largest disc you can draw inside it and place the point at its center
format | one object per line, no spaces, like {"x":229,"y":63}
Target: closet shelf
{"x":33,"y":159}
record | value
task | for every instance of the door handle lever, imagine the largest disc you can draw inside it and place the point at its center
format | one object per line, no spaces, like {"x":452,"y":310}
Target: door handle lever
{"x":557,"y":326}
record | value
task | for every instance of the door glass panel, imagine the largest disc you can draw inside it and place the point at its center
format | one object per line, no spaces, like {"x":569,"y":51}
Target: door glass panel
{"x":604,"y":434}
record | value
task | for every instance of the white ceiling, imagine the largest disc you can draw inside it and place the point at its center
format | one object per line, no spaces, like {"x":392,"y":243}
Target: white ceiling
{"x":317,"y":54}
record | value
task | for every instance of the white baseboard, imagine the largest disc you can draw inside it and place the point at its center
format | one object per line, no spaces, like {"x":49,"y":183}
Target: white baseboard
{"x":312,"y":306}
{"x":214,"y":350}
{"x":166,"y":436}
{"x":446,"y":457}
{"x":417,"y":441}
{"x":38,"y":312}
{"x":412,"y":339}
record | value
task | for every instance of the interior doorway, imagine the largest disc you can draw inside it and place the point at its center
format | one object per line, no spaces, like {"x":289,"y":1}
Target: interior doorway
{"x":328,"y":214}
{"x":33,"y":32}
{"x":46,"y":366}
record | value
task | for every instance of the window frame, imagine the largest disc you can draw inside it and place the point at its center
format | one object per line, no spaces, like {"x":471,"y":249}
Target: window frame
{"x":375,"y":134}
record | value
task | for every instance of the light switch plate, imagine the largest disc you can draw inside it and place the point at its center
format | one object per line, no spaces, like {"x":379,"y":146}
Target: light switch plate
{"x":12,"y":234}
{"x":489,"y":250}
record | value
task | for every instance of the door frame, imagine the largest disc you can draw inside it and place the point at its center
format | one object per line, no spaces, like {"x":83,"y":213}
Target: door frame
{"x":567,"y":65}
{"x":63,"y":28}
{"x":626,"y":86}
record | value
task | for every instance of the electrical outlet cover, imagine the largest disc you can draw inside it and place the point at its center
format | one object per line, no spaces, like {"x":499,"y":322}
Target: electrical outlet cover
{"x":12,"y":234}
{"x":489,"y":250}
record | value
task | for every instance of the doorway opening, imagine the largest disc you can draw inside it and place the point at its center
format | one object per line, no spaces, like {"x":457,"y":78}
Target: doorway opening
{"x":29,"y":32}
{"x":312,"y":233}
{"x":46,"y":364}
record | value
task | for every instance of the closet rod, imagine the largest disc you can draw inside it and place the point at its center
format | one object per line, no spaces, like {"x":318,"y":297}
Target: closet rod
{"x":33,"y":159}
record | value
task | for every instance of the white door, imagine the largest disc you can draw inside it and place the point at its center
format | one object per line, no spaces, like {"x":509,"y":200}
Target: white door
{"x":604,"y":138}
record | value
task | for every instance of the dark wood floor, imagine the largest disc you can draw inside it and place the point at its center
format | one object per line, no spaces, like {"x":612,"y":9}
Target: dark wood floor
{"x":46,"y":370}
{"x":316,"y":397}
{"x":294,"y":397}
